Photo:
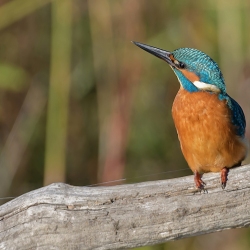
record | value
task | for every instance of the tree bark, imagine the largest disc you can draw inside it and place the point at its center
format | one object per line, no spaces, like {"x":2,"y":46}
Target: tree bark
{"x":61,"y":216}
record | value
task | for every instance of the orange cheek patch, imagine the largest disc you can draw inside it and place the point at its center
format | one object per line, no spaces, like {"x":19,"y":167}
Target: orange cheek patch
{"x":190,"y":75}
{"x":172,"y":58}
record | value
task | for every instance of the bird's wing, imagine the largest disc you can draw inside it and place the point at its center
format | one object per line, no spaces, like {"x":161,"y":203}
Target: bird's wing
{"x":238,"y":117}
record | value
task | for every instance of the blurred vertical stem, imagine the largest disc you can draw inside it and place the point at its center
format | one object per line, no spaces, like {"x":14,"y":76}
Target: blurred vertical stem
{"x":230,"y":40}
{"x":56,"y":135}
{"x":116,"y":72}
{"x":105,"y":68}
{"x":14,"y":10}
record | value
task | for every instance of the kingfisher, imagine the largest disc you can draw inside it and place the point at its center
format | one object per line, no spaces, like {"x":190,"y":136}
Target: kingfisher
{"x":210,"y":124}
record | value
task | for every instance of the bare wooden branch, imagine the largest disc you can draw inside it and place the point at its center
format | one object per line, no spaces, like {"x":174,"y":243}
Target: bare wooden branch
{"x":60,"y":216}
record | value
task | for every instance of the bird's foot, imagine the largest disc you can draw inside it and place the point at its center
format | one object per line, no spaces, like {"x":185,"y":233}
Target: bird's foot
{"x":199,"y":183}
{"x":224,"y":173}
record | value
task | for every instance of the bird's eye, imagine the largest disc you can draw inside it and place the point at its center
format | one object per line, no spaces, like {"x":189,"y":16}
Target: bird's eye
{"x":181,"y":65}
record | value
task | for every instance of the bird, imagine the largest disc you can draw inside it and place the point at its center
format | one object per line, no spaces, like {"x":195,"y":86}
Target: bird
{"x":210,"y":124}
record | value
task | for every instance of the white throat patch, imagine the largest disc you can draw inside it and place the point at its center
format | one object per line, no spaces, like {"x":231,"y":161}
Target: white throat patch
{"x":206,"y":86}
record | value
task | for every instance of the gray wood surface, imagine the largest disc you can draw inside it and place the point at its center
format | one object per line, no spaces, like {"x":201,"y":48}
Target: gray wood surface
{"x":61,"y":216}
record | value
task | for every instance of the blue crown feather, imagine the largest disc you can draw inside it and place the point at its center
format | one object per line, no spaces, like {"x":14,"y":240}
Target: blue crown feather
{"x":203,"y":65}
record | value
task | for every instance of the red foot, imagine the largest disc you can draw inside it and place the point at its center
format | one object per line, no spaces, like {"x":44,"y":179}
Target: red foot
{"x":199,"y":183}
{"x":224,"y":173}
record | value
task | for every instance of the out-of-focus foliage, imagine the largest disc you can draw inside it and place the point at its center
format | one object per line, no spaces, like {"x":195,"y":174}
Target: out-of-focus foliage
{"x":12,"y":78}
{"x":111,"y":102}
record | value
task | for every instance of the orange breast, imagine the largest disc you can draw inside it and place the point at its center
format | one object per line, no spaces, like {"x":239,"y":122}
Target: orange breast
{"x":207,"y":136}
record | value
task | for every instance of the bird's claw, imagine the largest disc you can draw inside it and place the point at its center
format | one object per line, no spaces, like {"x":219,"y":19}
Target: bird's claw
{"x":199,"y":183}
{"x":201,"y":187}
{"x":223,"y":185}
{"x":224,"y":173}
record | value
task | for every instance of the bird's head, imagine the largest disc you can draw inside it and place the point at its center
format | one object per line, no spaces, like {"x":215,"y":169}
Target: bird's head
{"x":195,"y":70}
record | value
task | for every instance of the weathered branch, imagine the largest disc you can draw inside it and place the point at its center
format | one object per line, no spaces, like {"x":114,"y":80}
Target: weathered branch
{"x":60,"y":216}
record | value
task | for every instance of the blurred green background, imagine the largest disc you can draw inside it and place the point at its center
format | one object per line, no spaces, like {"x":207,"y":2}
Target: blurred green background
{"x":79,"y":103}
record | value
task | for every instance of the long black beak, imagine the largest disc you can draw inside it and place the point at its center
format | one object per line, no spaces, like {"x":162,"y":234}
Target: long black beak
{"x":162,"y":54}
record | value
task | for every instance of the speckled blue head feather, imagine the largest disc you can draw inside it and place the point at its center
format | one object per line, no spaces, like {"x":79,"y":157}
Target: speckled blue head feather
{"x":202,"y":65}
